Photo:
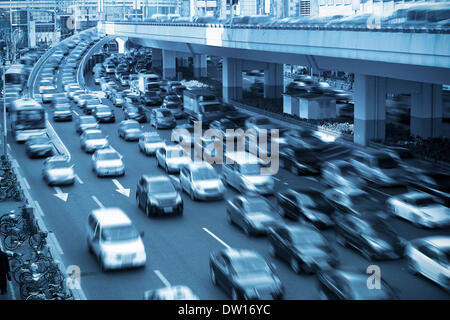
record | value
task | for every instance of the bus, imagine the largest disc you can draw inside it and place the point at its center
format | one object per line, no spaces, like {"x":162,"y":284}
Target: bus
{"x":27,"y":118}
{"x":16,"y":77}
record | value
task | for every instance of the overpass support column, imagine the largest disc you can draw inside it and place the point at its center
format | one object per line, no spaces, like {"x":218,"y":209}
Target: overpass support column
{"x":370,"y":105}
{"x":426,"y":111}
{"x":231,"y":79}
{"x":200,"y":66}
{"x":273,"y":80}
{"x":156,"y":58}
{"x":169,"y":64}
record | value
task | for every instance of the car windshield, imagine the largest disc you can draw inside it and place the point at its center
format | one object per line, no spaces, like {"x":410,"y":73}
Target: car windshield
{"x":204,"y":174}
{"x":40,"y":140}
{"x":103,"y":109}
{"x":446,"y":253}
{"x":425,"y":201}
{"x":165,"y":113}
{"x":262,"y":121}
{"x":387,"y":163}
{"x":306,"y":238}
{"x":173,"y":98}
{"x":174,"y":153}
{"x":88,"y":120}
{"x":58,"y":164}
{"x":62,"y":108}
{"x":161,"y":187}
{"x":109,"y":156}
{"x":153,"y":138}
{"x":94,"y":135}
{"x":347,"y":169}
{"x":92,"y":102}
{"x":249,"y":265}
{"x":250,"y":169}
{"x":132,"y":125}
{"x":257,"y":205}
{"x":211,"y":107}
{"x":362,"y":202}
{"x":119,"y":233}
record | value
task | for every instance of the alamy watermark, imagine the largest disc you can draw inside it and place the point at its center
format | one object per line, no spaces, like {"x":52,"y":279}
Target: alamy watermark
{"x":374,"y":280}
{"x":73,"y":281}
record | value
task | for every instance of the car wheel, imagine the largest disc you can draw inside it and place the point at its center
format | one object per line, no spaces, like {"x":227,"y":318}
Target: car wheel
{"x":295,"y":266}
{"x":148,"y":210}
{"x":138,"y":201}
{"x":213,"y":276}
{"x":294,"y":170}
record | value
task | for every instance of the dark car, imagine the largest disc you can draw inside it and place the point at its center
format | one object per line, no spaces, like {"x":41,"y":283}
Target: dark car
{"x":62,"y":112}
{"x":157,"y":195}
{"x":39,"y":146}
{"x":85,"y":122}
{"x":231,"y":113}
{"x":135,"y":113}
{"x":253,"y":214}
{"x":104,"y":113}
{"x":372,"y":237}
{"x":152,"y":98}
{"x":300,"y":161}
{"x":344,"y":285}
{"x":90,"y":105}
{"x":162,"y":119}
{"x":222,"y":125}
{"x":303,"y":247}
{"x":435,"y":183}
{"x":244,"y":275}
{"x":309,"y":204}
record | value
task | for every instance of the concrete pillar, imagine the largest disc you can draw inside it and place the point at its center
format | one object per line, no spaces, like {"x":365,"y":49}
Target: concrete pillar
{"x":426,"y":111}
{"x":169,"y":64}
{"x":273,"y":80}
{"x":156,"y":58}
{"x":370,"y":113}
{"x":121,"y":45}
{"x":200,"y":66}
{"x":231,"y":79}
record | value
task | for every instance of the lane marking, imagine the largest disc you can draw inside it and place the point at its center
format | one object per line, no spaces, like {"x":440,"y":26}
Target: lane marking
{"x":78,"y":179}
{"x":217,"y":238}
{"x":97,"y":202}
{"x":76,"y":113}
{"x":38,"y":208}
{"x":52,"y":237}
{"x":162,"y":278}
{"x":27,"y":185}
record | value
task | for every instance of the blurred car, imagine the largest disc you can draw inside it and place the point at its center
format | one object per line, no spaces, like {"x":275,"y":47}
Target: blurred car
{"x":309,"y":204}
{"x":82,"y":98}
{"x":58,"y":171}
{"x":344,"y":285}
{"x":129,"y":130}
{"x":91,"y":104}
{"x":372,"y":237}
{"x":117,"y":99}
{"x":430,"y":257}
{"x":171,"y":293}
{"x":302,"y":139}
{"x":303,"y":247}
{"x":107,"y":162}
{"x":407,"y":160}
{"x":38,"y":146}
{"x":297,"y":87}
{"x":434,"y":183}
{"x":420,"y":208}
{"x":162,"y":119}
{"x":157,"y":195}
{"x":259,"y":124}
{"x":132,"y":112}
{"x":152,"y":98}
{"x":149,"y":142}
{"x":114,"y":240}
{"x":174,"y":104}
{"x":244,"y":274}
{"x":253,"y":214}
{"x":103,"y":113}
{"x":340,"y":173}
{"x":92,"y":140}
{"x":231,"y":113}
{"x":83,"y":123}
{"x":222,"y":126}
{"x":171,"y":158}
{"x":378,"y":167}
{"x":353,"y":201}
{"x":201,"y":181}
{"x":62,"y":112}
{"x":47,"y":93}
{"x":300,"y":161}
{"x":183,"y":134}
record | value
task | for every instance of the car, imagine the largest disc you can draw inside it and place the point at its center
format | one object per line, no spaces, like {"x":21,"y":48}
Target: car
{"x":132,"y":112}
{"x":58,"y":171}
{"x":300,"y":161}
{"x":420,"y":208}
{"x":245,"y":274}
{"x":174,"y":104}
{"x":260,"y":124}
{"x":103,"y":113}
{"x":340,"y":173}
{"x":107,"y":162}
{"x":171,"y":293}
{"x":183,"y":134}
{"x":353,"y":201}
{"x":91,"y":104}
{"x":434,"y":183}
{"x":407,"y":160}
{"x":162,"y":119}
{"x":171,"y":157}
{"x":152,"y":98}
{"x":47,"y":93}
{"x":129,"y":130}
{"x":309,"y":204}
{"x":81,"y":99}
{"x":201,"y":182}
{"x":117,"y":99}
{"x":252,"y":213}
{"x":157,"y":195}
{"x":149,"y":142}
{"x":222,"y":126}
{"x":38,"y":146}
{"x":231,"y":113}
{"x":302,"y":139}
{"x":303,"y":248}
{"x":372,"y":237}
{"x":347,"y":285}
{"x":378,"y":167}
{"x":62,"y":112}
{"x":430,"y":257}
{"x":92,"y":140}
{"x":114,"y":240}
{"x":298,"y":87}
{"x":83,"y":123}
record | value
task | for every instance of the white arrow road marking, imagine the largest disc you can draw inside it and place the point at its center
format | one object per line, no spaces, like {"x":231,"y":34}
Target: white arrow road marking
{"x":97,"y":201}
{"x":76,"y":113}
{"x":217,"y":238}
{"x":61,"y":195}
{"x":162,"y":278}
{"x":121,"y":189}
{"x":79,"y":179}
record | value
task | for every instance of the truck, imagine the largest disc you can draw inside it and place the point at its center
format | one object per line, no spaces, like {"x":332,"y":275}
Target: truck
{"x":201,"y":105}
{"x":148,"y":82}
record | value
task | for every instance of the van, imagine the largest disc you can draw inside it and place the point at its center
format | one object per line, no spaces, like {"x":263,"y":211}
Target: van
{"x":113,"y":239}
{"x":242,"y":171}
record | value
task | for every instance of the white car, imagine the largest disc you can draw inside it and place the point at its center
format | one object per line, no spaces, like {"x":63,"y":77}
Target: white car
{"x":149,"y":142}
{"x":57,"y":171}
{"x":430,"y":257}
{"x":171,"y":158}
{"x":93,"y":139}
{"x":108,"y":162}
{"x":200,"y":181}
{"x":171,"y":293}
{"x":340,"y":173}
{"x":420,"y":208}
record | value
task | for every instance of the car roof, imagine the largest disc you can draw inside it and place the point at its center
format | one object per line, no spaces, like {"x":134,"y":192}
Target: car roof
{"x":416,"y":195}
{"x":92,"y":131}
{"x":194,"y":165}
{"x":128,"y":121}
{"x":172,"y":293}
{"x":111,"y":216}
{"x":241,"y":253}
{"x":152,"y":178}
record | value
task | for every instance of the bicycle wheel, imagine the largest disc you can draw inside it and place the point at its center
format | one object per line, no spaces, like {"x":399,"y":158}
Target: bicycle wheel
{"x":6,"y":227}
{"x":25,"y":277}
{"x":27,"y":289}
{"x":15,"y":263}
{"x":12,"y":241}
{"x":35,"y":240}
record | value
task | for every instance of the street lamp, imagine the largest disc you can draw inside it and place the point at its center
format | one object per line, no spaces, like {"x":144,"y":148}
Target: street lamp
{"x":5,"y":132}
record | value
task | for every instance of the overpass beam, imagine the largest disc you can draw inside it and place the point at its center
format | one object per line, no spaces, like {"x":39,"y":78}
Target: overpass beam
{"x":273,"y":80}
{"x":156,"y":58}
{"x":370,"y":109}
{"x":200,"y":66}
{"x":169,"y":64}
{"x":232,"y":79}
{"x":426,"y":111}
